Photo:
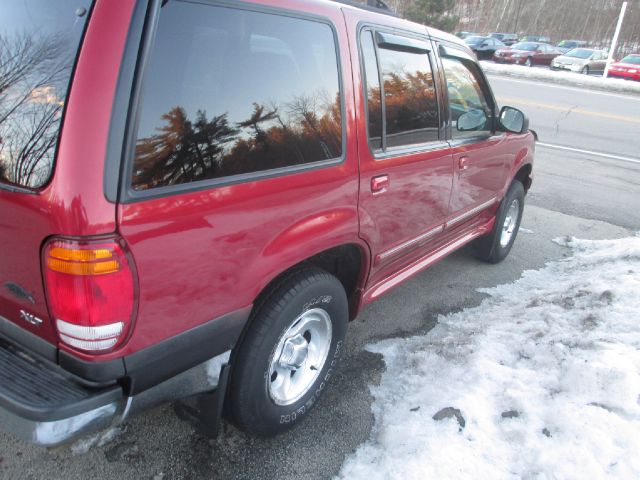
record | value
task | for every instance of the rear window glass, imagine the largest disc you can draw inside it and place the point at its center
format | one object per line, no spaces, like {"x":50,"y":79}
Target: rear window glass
{"x":231,"y":92}
{"x":635,"y":59}
{"x":39,"y":41}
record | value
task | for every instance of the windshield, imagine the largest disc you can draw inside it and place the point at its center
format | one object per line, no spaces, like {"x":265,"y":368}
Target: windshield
{"x":530,"y":47}
{"x":631,"y":59}
{"x":499,"y":36}
{"x":474,"y":40}
{"x":38,"y":44}
{"x":579,"y":53}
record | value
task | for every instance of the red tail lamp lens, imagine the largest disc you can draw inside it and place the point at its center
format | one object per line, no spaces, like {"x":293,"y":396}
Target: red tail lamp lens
{"x":90,"y":291}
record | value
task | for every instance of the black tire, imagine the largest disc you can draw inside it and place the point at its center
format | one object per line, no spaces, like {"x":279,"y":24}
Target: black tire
{"x":489,"y":247}
{"x":253,"y":403}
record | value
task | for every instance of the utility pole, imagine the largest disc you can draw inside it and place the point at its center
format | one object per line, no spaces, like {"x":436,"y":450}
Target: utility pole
{"x":614,"y":42}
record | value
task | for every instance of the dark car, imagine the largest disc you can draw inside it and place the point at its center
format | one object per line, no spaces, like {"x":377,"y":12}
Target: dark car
{"x":463,"y":35}
{"x":528,"y":54}
{"x":566,"y":45}
{"x":169,"y":227}
{"x":506,"y":38}
{"x":535,"y":38}
{"x":627,"y":68}
{"x":484,"y":47}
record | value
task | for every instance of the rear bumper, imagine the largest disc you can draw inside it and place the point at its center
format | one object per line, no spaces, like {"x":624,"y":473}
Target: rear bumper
{"x":42,"y":404}
{"x":49,"y":402}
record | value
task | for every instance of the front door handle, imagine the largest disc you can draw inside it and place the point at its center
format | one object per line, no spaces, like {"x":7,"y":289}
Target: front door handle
{"x":380,"y":184}
{"x":463,"y":163}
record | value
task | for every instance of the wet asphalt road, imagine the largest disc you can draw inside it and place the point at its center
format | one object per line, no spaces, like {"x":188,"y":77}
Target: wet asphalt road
{"x":573,"y":194}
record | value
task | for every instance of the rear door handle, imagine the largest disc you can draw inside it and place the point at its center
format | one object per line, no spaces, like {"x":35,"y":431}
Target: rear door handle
{"x":463,"y":163}
{"x":380,"y":184}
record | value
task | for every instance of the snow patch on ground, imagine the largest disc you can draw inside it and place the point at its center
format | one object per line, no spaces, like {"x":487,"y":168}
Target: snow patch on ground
{"x":545,"y":373}
{"x":565,"y":78}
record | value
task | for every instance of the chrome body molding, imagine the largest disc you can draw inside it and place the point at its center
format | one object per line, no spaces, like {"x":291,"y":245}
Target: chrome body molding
{"x":471,"y":213}
{"x":410,"y":243}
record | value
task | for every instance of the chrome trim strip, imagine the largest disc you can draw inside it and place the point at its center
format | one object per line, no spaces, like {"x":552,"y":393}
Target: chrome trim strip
{"x":470,"y":213}
{"x":410,"y":243}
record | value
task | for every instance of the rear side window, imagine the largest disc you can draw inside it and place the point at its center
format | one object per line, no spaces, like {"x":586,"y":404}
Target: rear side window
{"x":404,"y":79}
{"x":233,"y":92}
{"x":39,"y":42}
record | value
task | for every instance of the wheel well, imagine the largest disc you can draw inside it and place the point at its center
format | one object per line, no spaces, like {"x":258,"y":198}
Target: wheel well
{"x":344,"y":262}
{"x":523,"y":176}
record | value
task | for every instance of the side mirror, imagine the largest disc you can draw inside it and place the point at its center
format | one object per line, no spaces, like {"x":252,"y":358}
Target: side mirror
{"x":513,"y":120}
{"x":471,"y":120}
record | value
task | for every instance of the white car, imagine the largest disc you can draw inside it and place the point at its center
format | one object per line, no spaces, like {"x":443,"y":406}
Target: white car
{"x":581,"y":60}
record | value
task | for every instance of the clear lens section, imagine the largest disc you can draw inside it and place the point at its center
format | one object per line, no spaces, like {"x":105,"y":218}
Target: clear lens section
{"x":88,"y":345}
{"x":90,"y":333}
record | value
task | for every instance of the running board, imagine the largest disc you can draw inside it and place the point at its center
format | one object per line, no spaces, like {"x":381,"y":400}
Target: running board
{"x":416,"y":267}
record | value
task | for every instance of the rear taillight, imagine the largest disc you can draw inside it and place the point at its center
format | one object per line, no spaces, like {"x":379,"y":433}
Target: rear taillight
{"x":90,"y":288}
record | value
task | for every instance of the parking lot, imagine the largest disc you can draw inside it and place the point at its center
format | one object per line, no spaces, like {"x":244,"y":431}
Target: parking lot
{"x":586,"y":184}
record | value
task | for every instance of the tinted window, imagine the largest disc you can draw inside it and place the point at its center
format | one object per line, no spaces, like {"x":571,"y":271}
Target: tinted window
{"x":372,"y":81}
{"x":466,"y":97}
{"x":634,"y":59}
{"x":411,"y":109}
{"x":230,"y":92}
{"x":38,"y":45}
{"x":530,"y":47}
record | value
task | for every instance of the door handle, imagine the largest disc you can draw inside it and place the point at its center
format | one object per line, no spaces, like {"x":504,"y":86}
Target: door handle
{"x":463,"y":163}
{"x":379,"y":184}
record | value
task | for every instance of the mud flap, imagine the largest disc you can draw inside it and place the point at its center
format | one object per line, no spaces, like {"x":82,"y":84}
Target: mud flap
{"x":204,"y":411}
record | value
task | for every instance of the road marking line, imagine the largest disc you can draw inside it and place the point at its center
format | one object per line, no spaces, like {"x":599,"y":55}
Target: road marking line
{"x":583,"y":89}
{"x":589,"y":152}
{"x":568,"y":108}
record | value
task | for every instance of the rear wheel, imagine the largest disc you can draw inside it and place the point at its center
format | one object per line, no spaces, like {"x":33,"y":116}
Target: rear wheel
{"x":290,"y":352}
{"x":495,"y":246}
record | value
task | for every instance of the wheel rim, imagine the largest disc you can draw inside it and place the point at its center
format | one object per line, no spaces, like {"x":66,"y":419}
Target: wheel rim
{"x":510,"y":222}
{"x":299,"y":357}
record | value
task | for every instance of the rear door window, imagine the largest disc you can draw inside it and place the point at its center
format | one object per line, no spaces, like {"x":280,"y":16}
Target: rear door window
{"x":401,"y":74}
{"x":234,"y":93}
{"x":39,"y":41}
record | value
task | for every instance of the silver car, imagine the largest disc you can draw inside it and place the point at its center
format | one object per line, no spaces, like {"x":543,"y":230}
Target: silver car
{"x":581,"y":60}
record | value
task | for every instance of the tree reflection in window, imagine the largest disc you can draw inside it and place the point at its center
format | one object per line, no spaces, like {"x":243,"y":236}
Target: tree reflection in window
{"x":239,"y":92}
{"x":38,"y":45}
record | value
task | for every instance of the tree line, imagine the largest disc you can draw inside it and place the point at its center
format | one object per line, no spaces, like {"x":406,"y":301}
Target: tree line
{"x":593,"y":21}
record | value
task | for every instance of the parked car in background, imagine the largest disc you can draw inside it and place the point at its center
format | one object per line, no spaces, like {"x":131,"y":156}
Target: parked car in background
{"x":535,"y":38}
{"x":527,"y":53}
{"x":566,"y":45}
{"x":581,"y":60}
{"x":464,"y":35}
{"x":506,"y":38}
{"x":484,"y":47}
{"x":628,"y":68}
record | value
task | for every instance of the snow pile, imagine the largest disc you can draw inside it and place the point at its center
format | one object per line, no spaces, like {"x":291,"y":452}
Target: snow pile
{"x":566,"y":78}
{"x":542,"y":380}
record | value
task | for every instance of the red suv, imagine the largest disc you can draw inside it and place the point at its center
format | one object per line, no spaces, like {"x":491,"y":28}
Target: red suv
{"x":198,"y":197}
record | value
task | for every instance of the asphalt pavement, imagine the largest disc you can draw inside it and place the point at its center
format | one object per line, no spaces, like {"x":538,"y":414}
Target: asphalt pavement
{"x":574,"y":193}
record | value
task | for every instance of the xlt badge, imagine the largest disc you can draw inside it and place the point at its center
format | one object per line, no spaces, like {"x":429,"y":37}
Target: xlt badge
{"x":30,"y":318}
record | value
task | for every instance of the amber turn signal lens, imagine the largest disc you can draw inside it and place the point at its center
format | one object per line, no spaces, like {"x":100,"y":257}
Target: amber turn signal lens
{"x":82,"y":261}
